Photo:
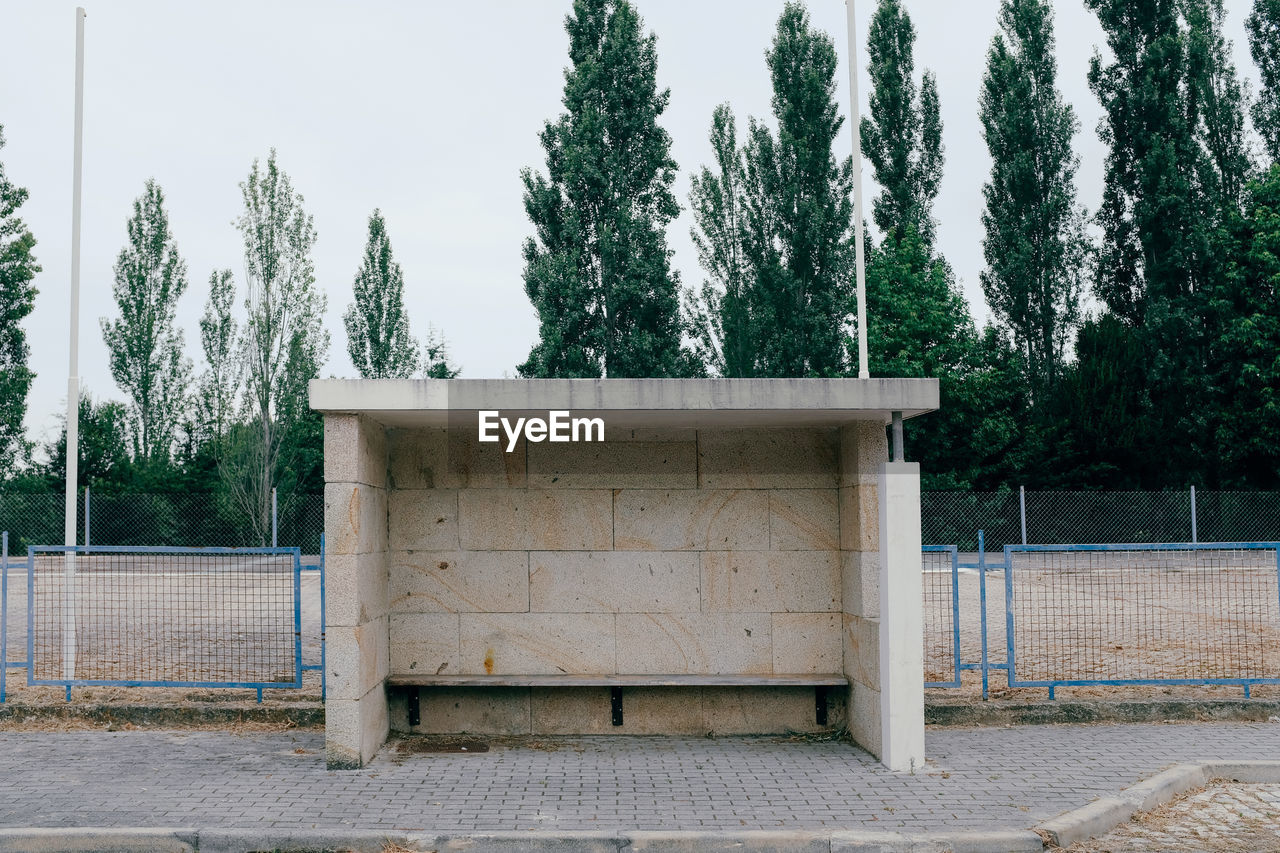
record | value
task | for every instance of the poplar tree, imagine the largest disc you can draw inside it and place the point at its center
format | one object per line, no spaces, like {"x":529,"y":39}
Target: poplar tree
{"x":1034,"y":245}
{"x":717,"y":315}
{"x":1263,"y":26}
{"x":902,"y":135}
{"x":378,"y":338}
{"x":145,"y":346}
{"x":598,"y":270}
{"x":18,"y":268}
{"x":220,"y":383}
{"x":799,"y":218}
{"x":283,"y":341}
{"x":774,"y":223}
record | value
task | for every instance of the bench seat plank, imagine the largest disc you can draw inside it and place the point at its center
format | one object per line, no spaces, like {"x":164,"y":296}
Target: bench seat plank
{"x":682,"y":680}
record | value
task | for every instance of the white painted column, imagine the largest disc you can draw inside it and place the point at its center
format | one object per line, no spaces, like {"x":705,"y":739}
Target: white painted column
{"x":901,"y":618}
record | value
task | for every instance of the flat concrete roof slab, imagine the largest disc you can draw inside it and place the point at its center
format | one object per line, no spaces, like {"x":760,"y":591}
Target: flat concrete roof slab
{"x":632,"y":402}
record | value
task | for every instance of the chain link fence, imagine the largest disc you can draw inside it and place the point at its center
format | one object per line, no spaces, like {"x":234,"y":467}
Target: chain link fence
{"x":178,"y":520}
{"x":953,"y":518}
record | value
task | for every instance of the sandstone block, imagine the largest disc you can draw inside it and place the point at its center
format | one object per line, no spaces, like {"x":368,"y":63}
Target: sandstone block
{"x":864,"y":445}
{"x":613,"y":582}
{"x":535,"y":520}
{"x":860,"y":518}
{"x":703,"y":643}
{"x":778,"y":458}
{"x":355,"y":728}
{"x":453,"y":458}
{"x":356,"y":659}
{"x":458,"y":581}
{"x":804,"y":520}
{"x":355,"y":450}
{"x":474,"y":710}
{"x":422,"y":520}
{"x":357,"y":588}
{"x":537,"y":643}
{"x":355,"y":519}
{"x":646,"y":710}
{"x":807,"y":643}
{"x":690,"y":520}
{"x":767,"y":710}
{"x":614,"y":465}
{"x":425,"y":643}
{"x":861,"y":577}
{"x":864,"y":718}
{"x":771,"y":581}
{"x":862,"y":650}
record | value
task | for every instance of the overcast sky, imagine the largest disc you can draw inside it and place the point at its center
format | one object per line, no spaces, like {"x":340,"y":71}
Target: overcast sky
{"x":427,"y":110}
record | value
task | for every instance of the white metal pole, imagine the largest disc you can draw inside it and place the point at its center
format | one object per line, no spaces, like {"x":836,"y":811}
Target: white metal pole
{"x":859,"y":258}
{"x":73,"y":379}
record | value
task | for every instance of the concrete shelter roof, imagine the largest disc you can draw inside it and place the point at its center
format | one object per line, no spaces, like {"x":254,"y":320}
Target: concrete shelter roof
{"x":631,"y":402}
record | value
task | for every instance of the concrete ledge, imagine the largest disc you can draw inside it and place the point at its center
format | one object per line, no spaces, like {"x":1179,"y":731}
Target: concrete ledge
{"x":1103,"y":815}
{"x":1099,"y":711}
{"x":631,"y":402}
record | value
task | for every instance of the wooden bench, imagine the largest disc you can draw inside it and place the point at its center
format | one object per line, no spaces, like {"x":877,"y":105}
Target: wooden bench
{"x":616,"y":683}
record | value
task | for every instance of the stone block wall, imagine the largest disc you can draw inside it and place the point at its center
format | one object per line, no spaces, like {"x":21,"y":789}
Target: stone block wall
{"x":659,"y":551}
{"x":357,"y":608}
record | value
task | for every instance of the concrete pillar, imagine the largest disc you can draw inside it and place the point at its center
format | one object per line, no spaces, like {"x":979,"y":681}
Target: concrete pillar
{"x":901,"y":618}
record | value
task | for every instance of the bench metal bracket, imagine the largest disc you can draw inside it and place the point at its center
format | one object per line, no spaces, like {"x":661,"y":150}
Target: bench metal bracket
{"x":615,"y":700}
{"x":415,"y":711}
{"x":820,"y":704}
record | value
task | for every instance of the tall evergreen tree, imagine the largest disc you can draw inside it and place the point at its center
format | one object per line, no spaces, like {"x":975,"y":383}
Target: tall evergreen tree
{"x":220,"y":384}
{"x":283,"y":342}
{"x":902,"y":136}
{"x":598,"y":271}
{"x":717,"y":315}
{"x":145,"y":345}
{"x":1173,"y":121}
{"x":1263,"y":25}
{"x":1034,"y":245}
{"x":435,"y":356}
{"x":799,"y":215}
{"x":18,"y":268}
{"x":378,"y":336}
{"x":773,"y":226}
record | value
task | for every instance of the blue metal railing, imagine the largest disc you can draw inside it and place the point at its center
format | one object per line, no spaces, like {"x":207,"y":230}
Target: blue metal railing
{"x":165,"y":617}
{"x":1085,"y":604}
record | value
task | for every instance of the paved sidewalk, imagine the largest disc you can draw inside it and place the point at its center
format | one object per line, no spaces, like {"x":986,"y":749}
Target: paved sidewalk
{"x":980,"y":779}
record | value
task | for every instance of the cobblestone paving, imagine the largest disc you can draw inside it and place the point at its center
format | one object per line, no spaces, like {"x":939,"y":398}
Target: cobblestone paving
{"x":1223,"y":817}
{"x":978,"y":779}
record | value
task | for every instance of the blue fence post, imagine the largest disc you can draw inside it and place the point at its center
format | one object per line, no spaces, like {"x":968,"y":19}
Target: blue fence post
{"x":4,"y":610}
{"x":982,"y":592}
{"x":324,"y":672}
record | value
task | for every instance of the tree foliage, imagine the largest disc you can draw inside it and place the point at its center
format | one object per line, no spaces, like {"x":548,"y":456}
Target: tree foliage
{"x":18,"y":268}
{"x":145,"y":345}
{"x":1263,"y":25}
{"x":598,"y":269}
{"x":219,"y":385}
{"x":283,"y":341}
{"x":1035,"y":244}
{"x":378,"y":338}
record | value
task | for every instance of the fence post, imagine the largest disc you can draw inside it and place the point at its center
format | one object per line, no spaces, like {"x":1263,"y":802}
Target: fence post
{"x":982,"y":600}
{"x":86,"y":516}
{"x":274,"y":543}
{"x":4,"y":610}
{"x":1022,"y":505}
{"x":1194,"y":538}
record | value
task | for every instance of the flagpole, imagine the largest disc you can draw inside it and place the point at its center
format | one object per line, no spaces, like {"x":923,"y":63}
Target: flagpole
{"x":859,"y":256}
{"x":73,"y":379}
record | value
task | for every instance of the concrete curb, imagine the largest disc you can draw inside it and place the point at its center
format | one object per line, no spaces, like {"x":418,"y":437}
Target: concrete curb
{"x":299,"y":715}
{"x":1099,"y":711}
{"x":1103,"y":815}
{"x":88,"y":840}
